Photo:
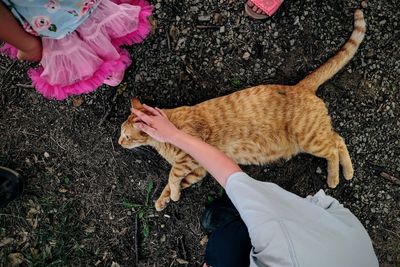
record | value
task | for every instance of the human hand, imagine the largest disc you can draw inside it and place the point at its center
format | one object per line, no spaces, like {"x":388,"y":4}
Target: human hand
{"x":157,"y":124}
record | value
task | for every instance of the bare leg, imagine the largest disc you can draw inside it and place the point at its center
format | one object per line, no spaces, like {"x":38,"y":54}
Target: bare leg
{"x":29,"y":46}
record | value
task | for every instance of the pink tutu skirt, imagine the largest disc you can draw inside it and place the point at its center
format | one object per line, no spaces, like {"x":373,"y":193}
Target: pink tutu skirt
{"x":82,"y":61}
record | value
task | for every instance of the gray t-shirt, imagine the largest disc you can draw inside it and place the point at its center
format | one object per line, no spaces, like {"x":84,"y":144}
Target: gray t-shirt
{"x":287,"y":230}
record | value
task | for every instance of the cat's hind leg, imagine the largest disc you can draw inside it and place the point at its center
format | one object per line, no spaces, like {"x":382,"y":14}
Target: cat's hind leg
{"x":333,"y":168}
{"x":325,"y":147}
{"x":344,"y":158}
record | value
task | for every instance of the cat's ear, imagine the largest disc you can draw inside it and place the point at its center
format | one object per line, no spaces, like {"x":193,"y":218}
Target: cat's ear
{"x":135,"y":103}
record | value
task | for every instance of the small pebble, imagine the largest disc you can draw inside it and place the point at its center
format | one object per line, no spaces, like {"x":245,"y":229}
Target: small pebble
{"x":204,"y":18}
{"x":364,"y":4}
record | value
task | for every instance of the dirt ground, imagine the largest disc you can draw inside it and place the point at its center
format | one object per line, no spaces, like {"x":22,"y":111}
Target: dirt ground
{"x":85,"y":199}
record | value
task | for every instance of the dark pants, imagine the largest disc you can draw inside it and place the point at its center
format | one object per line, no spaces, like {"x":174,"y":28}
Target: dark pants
{"x":229,"y":245}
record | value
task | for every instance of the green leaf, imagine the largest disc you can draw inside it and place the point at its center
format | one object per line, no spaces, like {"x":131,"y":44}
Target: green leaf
{"x":141,"y":214}
{"x":53,"y":28}
{"x":128,"y":205}
{"x":236,"y":82}
{"x":146,"y":230}
{"x":150,"y":186}
{"x":67,"y":181}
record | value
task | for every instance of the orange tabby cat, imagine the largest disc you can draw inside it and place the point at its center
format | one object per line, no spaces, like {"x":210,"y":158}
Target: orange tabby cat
{"x":256,"y":125}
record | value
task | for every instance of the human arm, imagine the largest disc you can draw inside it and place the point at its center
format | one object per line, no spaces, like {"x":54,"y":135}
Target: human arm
{"x":29,"y":46}
{"x":158,"y":126}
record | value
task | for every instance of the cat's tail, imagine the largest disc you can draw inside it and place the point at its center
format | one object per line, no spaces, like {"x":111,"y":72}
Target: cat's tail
{"x":338,"y":61}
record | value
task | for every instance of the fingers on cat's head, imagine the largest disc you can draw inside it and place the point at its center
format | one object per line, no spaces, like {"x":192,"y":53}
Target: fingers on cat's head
{"x":135,"y":103}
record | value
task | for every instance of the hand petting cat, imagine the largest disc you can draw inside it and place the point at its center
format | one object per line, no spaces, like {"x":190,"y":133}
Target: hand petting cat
{"x":157,"y":125}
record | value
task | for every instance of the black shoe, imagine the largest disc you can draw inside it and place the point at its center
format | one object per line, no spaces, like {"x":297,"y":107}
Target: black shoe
{"x":11,"y":186}
{"x":219,"y":213}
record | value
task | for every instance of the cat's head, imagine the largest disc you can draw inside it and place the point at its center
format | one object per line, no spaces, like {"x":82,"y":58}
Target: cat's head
{"x":131,"y":136}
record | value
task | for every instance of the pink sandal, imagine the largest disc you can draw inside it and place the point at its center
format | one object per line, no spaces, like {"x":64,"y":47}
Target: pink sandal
{"x":269,"y":7}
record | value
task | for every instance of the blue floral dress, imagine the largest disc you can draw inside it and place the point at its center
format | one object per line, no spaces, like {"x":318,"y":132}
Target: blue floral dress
{"x":51,"y":18}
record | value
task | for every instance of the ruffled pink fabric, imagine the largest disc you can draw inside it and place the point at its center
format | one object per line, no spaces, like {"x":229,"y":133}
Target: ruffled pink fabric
{"x":60,"y":92}
{"x":9,"y":50}
{"x":144,"y":27}
{"x":80,"y":62}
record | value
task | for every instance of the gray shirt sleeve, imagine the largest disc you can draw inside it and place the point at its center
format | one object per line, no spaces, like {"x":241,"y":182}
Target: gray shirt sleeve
{"x":287,"y":230}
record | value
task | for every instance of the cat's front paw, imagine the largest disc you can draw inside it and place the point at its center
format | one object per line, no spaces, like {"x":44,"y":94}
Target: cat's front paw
{"x":161,"y":203}
{"x":333,"y":181}
{"x":175,"y":195}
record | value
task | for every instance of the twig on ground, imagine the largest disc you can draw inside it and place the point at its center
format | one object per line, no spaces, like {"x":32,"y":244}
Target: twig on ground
{"x":184,"y":254}
{"x":109,"y":108}
{"x":29,"y":86}
{"x":14,"y":216}
{"x":9,"y":68}
{"x":191,"y":72}
{"x":208,"y":27}
{"x":168,"y":41}
{"x":390,"y":178}
{"x":390,"y":231}
{"x":155,"y":190}
{"x":375,"y":166}
{"x":5,"y":74}
{"x":115,"y":161}
{"x":60,"y":146}
{"x":112,"y":145}
{"x":135,"y":237}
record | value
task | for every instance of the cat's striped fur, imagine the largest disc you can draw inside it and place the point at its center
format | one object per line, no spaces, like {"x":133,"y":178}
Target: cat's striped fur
{"x":257,"y":125}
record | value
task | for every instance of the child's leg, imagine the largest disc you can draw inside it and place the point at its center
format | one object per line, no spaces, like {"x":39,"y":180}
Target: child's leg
{"x":29,"y":46}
